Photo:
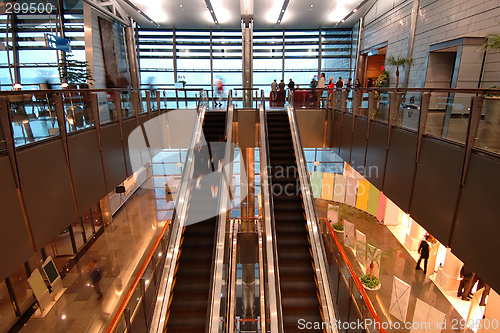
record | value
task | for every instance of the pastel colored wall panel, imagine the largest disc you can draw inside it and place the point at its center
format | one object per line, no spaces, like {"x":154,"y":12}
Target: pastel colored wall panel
{"x":382,"y":202}
{"x":373,"y":198}
{"x":316,"y":182}
{"x":351,"y":191}
{"x":393,"y":214}
{"x":363,"y":194}
{"x":339,"y":188}
{"x":327,"y":187}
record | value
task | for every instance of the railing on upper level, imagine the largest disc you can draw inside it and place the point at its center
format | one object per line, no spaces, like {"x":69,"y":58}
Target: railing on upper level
{"x":37,"y":115}
{"x":458,"y":116}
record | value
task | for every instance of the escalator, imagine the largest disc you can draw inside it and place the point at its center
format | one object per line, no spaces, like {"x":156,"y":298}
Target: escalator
{"x":189,"y":300}
{"x":299,"y":292}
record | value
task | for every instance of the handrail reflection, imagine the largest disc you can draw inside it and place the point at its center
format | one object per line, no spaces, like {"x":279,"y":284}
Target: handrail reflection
{"x":356,"y":279}
{"x":135,"y":283}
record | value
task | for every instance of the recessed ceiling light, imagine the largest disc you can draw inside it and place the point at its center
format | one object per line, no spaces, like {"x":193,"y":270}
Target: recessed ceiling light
{"x":180,"y":6}
{"x":342,"y":21}
{"x":355,"y":10}
{"x":312,"y":6}
{"x":282,"y":10}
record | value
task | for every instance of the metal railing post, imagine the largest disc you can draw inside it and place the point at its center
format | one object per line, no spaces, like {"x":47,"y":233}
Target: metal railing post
{"x":127,"y":317}
{"x":356,"y":101}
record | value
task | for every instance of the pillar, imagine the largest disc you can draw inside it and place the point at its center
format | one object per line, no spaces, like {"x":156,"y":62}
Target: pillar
{"x":132,"y":56}
{"x":247,"y":55}
{"x":416,"y":234}
{"x":448,"y":276}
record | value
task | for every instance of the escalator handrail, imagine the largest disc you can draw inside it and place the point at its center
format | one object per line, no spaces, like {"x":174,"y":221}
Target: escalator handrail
{"x":275,"y":307}
{"x":318,"y":250}
{"x":166,"y":285}
{"x":214,"y":312}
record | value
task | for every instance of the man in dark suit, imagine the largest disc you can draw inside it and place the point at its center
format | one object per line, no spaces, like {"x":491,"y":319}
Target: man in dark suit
{"x":423,"y":249}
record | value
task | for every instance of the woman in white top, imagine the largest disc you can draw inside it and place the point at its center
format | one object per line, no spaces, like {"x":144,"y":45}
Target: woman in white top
{"x":321,"y":88}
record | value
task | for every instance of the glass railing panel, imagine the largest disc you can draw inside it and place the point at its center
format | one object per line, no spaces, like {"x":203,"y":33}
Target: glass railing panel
{"x":33,"y":117}
{"x":143,"y":104}
{"x":78,"y":111}
{"x":408,"y":110}
{"x":381,"y":105}
{"x":126,"y":104}
{"x":488,"y":135}
{"x":449,"y":115}
{"x":107,"y":108}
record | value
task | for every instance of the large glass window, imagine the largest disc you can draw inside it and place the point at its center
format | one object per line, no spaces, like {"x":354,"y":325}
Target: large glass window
{"x":300,"y":53}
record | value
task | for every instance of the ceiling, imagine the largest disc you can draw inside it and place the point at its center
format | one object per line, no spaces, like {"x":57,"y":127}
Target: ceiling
{"x":194,"y":14}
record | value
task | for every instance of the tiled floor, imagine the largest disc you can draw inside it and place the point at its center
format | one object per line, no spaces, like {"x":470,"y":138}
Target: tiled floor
{"x":400,"y":264}
{"x":120,"y":251}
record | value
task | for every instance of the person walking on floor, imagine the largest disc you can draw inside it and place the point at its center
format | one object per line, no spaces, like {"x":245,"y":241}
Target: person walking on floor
{"x":423,"y":249}
{"x":94,"y":270}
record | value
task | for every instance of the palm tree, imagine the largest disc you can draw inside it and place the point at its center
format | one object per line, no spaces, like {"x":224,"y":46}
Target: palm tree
{"x":492,"y":42}
{"x":399,"y":62}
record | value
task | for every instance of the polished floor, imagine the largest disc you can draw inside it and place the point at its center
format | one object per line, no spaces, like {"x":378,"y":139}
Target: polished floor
{"x":399,"y":263}
{"x":120,"y":251}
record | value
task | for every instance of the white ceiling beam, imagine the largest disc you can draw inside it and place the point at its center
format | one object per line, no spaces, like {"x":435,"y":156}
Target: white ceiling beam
{"x":116,"y":12}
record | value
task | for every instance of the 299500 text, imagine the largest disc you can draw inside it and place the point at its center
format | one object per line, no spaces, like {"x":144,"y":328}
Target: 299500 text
{"x":29,"y":7}
{"x":474,"y":324}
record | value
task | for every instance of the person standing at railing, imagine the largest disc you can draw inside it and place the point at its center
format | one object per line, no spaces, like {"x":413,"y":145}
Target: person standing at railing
{"x":282,"y":91}
{"x":357,"y":84}
{"x":313,"y":85}
{"x":339,"y":85}
{"x":291,"y":88}
{"x":331,"y":86}
{"x":274,"y":91}
{"x":220,"y":91}
{"x":321,"y":89}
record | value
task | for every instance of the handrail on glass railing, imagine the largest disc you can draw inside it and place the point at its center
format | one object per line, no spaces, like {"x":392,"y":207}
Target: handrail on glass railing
{"x":135,"y":283}
{"x":357,"y":281}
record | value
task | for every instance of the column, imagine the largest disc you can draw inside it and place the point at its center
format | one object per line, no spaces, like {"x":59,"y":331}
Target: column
{"x":247,"y":55}
{"x":413,"y":239}
{"x":132,"y":56}
{"x":448,"y":276}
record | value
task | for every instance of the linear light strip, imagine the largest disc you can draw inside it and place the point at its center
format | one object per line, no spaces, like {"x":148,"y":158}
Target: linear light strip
{"x":212,"y":12}
{"x":358,"y":7}
{"x":282,"y":12}
{"x":134,"y":7}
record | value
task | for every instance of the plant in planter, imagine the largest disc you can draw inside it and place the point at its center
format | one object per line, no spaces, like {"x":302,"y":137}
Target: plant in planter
{"x":344,"y":211}
{"x":182,"y":80}
{"x":398,"y":62}
{"x":492,"y":100}
{"x":74,"y":72}
{"x":373,"y":255}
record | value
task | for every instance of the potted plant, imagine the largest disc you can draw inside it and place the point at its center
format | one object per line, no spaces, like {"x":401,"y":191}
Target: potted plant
{"x":400,"y":61}
{"x":373,"y":254}
{"x":182,"y":80}
{"x":74,"y":72}
{"x":344,"y":211}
